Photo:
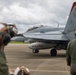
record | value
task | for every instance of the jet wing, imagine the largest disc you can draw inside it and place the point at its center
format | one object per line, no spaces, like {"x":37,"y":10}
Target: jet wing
{"x":51,"y":36}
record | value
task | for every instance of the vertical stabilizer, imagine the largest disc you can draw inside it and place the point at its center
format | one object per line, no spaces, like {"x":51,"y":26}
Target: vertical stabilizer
{"x":71,"y":23}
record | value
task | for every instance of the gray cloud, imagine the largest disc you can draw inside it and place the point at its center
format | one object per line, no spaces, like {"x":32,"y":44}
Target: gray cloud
{"x":25,"y":13}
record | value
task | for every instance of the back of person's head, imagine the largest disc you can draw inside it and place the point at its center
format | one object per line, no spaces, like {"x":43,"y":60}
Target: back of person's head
{"x":22,"y":73}
{"x":21,"y":70}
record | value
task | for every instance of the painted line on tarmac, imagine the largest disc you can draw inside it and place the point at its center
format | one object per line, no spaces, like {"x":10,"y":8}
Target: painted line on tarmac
{"x":50,"y":71}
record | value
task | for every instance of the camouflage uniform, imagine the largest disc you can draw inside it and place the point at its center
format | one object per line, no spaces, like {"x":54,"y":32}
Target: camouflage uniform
{"x":3,"y":66}
{"x":71,"y":56}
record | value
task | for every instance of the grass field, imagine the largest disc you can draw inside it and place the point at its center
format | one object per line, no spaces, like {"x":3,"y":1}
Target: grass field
{"x":15,"y":42}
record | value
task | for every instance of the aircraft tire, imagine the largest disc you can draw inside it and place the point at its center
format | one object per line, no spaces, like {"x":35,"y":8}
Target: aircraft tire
{"x":53,"y":52}
{"x":35,"y":51}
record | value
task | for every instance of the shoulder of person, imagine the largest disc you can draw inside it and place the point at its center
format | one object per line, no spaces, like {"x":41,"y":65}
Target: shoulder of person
{"x":72,"y":41}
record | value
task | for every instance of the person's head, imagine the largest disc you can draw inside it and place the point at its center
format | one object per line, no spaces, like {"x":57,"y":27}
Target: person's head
{"x":21,"y":70}
{"x":12,"y":30}
{"x":8,"y":31}
{"x":9,"y":28}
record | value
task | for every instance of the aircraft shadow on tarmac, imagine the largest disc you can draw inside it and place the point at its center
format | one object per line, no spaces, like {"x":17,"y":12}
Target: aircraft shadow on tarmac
{"x":44,"y":55}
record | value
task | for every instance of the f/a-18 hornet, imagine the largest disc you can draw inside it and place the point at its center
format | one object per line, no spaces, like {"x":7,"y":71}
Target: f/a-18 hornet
{"x":54,"y":38}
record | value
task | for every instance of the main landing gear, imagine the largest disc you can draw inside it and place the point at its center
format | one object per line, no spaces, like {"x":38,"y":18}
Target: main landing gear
{"x":35,"y":51}
{"x":53,"y":52}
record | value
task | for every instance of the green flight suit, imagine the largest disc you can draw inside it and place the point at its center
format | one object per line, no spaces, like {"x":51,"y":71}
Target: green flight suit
{"x":3,"y":66}
{"x":71,"y":56}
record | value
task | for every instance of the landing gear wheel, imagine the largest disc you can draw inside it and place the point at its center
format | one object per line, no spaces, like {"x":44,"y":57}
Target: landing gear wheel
{"x":53,"y":52}
{"x":35,"y":51}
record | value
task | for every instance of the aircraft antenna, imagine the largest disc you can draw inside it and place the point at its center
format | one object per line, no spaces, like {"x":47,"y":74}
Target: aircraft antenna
{"x":58,"y":25}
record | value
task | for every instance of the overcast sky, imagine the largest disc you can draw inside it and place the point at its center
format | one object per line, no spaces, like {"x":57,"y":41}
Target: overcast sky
{"x":28,"y":13}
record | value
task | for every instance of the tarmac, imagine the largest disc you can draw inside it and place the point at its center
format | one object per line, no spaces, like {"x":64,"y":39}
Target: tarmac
{"x":38,"y":64}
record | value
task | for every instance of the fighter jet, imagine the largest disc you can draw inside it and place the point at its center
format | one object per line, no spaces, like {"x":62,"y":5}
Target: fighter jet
{"x":21,"y":38}
{"x":54,"y":38}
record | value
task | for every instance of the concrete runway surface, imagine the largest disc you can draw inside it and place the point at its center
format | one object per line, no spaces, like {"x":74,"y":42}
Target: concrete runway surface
{"x":39,"y":64}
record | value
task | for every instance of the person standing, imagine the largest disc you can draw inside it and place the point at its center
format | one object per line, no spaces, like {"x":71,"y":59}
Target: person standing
{"x":6,"y":33}
{"x":71,"y":56}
